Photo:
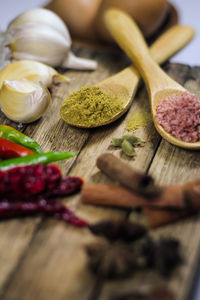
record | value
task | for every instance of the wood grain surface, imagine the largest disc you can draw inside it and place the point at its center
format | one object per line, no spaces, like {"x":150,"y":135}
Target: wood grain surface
{"x":44,"y":259}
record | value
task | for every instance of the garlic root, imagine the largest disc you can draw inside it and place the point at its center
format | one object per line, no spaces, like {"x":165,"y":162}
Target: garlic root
{"x":78,"y":63}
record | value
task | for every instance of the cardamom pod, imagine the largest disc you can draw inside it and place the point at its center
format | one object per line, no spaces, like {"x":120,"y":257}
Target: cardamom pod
{"x":134,"y":140}
{"x":127,"y":148}
{"x":117,"y":142}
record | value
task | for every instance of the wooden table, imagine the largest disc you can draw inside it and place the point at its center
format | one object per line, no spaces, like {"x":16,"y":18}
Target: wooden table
{"x":44,"y":259}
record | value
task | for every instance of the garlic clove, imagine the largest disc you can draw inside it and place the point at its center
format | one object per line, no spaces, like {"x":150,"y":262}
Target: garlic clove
{"x":24,"y":101}
{"x":30,"y":70}
{"x":78,"y":63}
{"x":41,"y":16}
{"x":38,"y":42}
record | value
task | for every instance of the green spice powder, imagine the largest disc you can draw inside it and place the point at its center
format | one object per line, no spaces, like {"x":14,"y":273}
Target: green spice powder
{"x":89,"y":106}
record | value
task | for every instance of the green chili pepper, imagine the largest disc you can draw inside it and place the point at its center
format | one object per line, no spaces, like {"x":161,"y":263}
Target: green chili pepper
{"x":11,"y":134}
{"x":39,"y":158}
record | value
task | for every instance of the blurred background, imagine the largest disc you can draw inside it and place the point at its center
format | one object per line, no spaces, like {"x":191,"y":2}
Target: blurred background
{"x":188,"y":12}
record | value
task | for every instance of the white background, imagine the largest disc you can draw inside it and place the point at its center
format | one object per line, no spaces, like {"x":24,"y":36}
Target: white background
{"x":189,"y":12}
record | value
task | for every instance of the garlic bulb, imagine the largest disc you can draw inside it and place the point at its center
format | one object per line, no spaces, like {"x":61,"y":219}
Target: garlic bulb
{"x":41,"y":16}
{"x":23,"y":101}
{"x":30,"y":70}
{"x":41,"y":35}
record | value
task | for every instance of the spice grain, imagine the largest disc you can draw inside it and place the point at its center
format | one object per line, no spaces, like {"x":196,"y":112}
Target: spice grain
{"x":179,"y":115}
{"x":140,"y":118}
{"x":89,"y":106}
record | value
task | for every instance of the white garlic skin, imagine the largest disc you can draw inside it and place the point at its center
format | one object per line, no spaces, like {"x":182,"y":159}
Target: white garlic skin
{"x":41,"y":16}
{"x":24,"y":101}
{"x":39,"y":34}
{"x":30,"y":70}
{"x":38,"y":42}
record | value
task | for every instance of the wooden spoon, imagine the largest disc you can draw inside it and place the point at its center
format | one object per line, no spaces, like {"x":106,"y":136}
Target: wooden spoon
{"x":159,"y":84}
{"x":124,"y":84}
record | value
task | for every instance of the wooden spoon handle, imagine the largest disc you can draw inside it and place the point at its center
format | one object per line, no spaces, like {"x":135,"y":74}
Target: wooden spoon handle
{"x":127,"y":34}
{"x":129,"y":37}
{"x":162,"y":49}
{"x":170,"y":42}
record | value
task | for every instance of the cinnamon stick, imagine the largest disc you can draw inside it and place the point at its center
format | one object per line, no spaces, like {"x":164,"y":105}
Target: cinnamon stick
{"x":191,"y":191}
{"x":159,"y":217}
{"x":115,"y":195}
{"x":117,"y":170}
{"x":174,"y":202}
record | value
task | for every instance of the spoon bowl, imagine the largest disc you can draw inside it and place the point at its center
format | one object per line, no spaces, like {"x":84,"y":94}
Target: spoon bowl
{"x":123,"y":85}
{"x":159,"y":84}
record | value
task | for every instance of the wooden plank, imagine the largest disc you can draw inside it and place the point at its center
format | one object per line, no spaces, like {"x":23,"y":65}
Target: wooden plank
{"x":38,"y":260}
{"x":184,"y":167}
{"x":21,"y":238}
{"x":46,"y":131}
{"x":15,"y":236}
{"x":44,"y":283}
{"x":171,"y":165}
{"x":53,"y":265}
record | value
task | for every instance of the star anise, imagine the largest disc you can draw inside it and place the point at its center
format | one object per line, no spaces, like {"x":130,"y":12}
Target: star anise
{"x":156,"y":293}
{"x":162,"y":255}
{"x":117,"y":259}
{"x":111,"y":260}
{"x":118,"y":230}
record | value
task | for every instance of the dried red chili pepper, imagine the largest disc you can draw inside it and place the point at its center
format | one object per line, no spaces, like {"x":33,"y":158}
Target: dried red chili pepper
{"x":34,"y":184}
{"x":67,"y":186}
{"x":54,"y":209}
{"x":9,"y":149}
{"x":21,"y":183}
{"x":28,"y":182}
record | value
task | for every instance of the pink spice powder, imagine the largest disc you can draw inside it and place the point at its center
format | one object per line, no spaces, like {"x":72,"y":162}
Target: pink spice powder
{"x":179,"y":115}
